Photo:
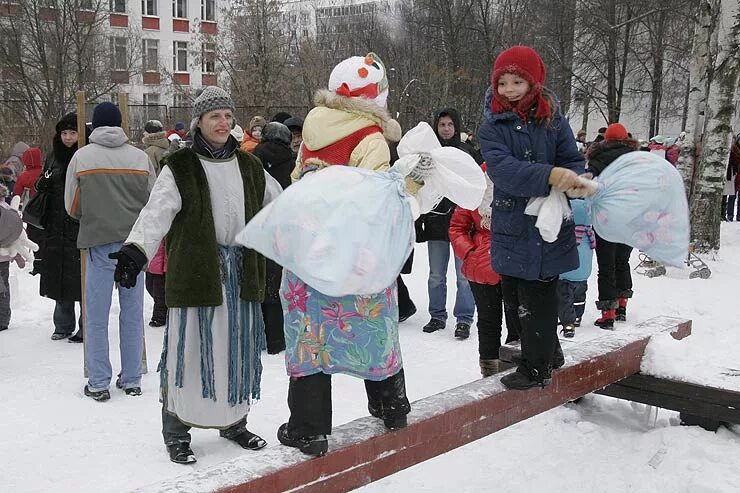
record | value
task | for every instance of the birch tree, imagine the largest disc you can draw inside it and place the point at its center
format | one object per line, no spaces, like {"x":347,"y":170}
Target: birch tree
{"x":715,"y":73}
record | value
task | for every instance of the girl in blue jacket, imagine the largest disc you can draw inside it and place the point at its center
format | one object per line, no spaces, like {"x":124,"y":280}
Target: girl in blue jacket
{"x":529,"y":148}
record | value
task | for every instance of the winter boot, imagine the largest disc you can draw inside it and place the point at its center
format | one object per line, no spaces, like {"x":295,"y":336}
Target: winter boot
{"x":577,"y":323}
{"x":181,"y":453}
{"x":396,"y":422}
{"x":100,"y":395}
{"x":462,"y":331}
{"x":622,"y":310}
{"x":406,"y":313}
{"x":434,"y":325}
{"x":568,"y":330}
{"x":489,"y":367}
{"x":132,"y":391}
{"x":248,"y":440}
{"x":76,"y":337}
{"x":607,"y":319}
{"x":316,"y":445}
{"x":558,"y":358}
{"x":522,"y":379}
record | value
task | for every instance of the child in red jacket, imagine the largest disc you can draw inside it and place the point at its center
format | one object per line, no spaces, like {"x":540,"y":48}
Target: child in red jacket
{"x":27,"y":180}
{"x":470,"y":235}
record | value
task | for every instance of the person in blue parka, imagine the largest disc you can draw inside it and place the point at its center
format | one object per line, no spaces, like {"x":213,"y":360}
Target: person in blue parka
{"x":530,"y":148}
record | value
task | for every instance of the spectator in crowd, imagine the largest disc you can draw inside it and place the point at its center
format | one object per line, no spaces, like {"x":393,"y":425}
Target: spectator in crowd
{"x":108,"y":183}
{"x":433,"y":228}
{"x":295,"y":125}
{"x":155,"y":142}
{"x":254,"y":134}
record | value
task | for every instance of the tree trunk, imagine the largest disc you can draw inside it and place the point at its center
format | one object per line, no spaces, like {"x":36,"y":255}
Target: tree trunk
{"x":586,"y":109}
{"x":711,"y":167}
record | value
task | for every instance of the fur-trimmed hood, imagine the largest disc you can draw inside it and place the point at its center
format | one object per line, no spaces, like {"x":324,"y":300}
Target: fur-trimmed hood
{"x":336,"y":117}
{"x":158,"y":139}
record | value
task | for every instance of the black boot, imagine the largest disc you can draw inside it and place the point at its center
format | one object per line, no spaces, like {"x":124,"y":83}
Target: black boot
{"x":523,"y":379}
{"x":462,"y":331}
{"x":77,"y":337}
{"x":434,"y":325}
{"x":316,"y":445}
{"x":248,"y":440}
{"x":181,"y":453}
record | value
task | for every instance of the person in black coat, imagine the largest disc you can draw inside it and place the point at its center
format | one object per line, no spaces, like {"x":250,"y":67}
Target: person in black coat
{"x":60,"y":267}
{"x":278,"y":160}
{"x":432,"y":228}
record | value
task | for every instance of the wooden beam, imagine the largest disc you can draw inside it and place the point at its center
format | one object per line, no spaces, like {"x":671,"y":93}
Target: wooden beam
{"x":81,"y":117}
{"x":123,"y":108}
{"x":697,"y":400}
{"x":362,"y":451}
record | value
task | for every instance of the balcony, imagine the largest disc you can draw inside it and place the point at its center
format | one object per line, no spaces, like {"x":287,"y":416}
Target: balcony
{"x":209,"y":27}
{"x":152,"y":78}
{"x":119,"y":20}
{"x":150,"y":23}
{"x":181,"y":25}
{"x":9,"y":9}
{"x":119,"y":76}
{"x":209,"y":80}
{"x":182,"y":78}
{"x":48,"y":14}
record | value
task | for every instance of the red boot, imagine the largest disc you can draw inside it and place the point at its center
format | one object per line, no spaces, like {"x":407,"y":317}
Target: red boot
{"x":607,"y":319}
{"x":622,"y":310}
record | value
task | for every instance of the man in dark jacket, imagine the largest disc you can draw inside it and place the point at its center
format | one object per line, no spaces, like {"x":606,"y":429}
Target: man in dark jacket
{"x":432,"y":228}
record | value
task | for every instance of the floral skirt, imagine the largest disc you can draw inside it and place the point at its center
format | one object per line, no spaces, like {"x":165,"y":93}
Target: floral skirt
{"x":356,"y":335}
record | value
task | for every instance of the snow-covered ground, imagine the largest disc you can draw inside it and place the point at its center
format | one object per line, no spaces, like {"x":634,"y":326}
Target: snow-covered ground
{"x":55,"y":439}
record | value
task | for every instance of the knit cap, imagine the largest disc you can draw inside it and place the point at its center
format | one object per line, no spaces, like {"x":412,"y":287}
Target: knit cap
{"x":276,"y":132}
{"x":10,"y":227}
{"x":527,"y":64}
{"x":256,"y":121}
{"x":616,"y":131}
{"x":106,"y":115}
{"x":211,"y":98}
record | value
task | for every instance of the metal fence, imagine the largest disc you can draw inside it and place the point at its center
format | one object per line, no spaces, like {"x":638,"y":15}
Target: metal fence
{"x":14,"y":126}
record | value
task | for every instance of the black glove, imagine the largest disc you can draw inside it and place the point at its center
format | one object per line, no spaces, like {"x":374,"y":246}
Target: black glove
{"x":129,"y":265}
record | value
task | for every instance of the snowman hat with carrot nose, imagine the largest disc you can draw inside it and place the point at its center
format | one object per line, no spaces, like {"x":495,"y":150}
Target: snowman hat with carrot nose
{"x":361,"y":77}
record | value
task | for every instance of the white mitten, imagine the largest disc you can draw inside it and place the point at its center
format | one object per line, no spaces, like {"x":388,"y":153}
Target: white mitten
{"x":423,"y":169}
{"x":21,"y":246}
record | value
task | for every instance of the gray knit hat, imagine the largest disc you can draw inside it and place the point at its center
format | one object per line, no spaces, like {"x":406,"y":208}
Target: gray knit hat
{"x":212,"y":98}
{"x":10,"y":227}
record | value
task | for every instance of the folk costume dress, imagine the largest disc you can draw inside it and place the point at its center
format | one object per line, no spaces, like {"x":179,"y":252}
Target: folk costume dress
{"x":210,"y":366}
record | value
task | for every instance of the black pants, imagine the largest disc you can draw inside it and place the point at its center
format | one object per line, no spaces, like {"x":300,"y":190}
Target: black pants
{"x":309,"y":400}
{"x":615,"y":275}
{"x":405,"y":305}
{"x":175,"y":431}
{"x":571,"y":300}
{"x":64,"y":317}
{"x":489,"y":303}
{"x":155,"y":288}
{"x":4,"y":294}
{"x":537,"y":303}
{"x":272,"y":314}
{"x":728,"y":208}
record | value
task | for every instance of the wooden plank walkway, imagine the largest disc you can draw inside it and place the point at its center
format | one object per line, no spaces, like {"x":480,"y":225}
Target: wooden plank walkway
{"x":362,"y":451}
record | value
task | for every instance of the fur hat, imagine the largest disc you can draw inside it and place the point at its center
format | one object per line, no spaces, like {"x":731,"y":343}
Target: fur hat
{"x":527,"y":64}
{"x":616,"y":131}
{"x":68,"y":122}
{"x":256,"y":121}
{"x":106,"y":115}
{"x":276,"y":132}
{"x":153,"y":126}
{"x":361,"y":77}
{"x":211,"y":98}
{"x":281,"y":116}
{"x":294,"y":123}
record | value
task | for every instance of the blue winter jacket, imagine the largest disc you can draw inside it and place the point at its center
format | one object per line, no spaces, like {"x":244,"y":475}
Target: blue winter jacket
{"x":520,"y":157}
{"x":582,"y":218}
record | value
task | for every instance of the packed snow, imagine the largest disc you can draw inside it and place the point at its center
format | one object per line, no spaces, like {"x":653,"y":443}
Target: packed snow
{"x":55,"y":439}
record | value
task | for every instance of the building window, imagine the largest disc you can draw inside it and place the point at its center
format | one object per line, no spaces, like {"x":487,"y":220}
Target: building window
{"x":180,"y":9}
{"x":151,"y":98}
{"x":180,"y":56}
{"x":149,"y":7}
{"x":86,"y":5}
{"x":150,"y":52}
{"x":208,"y":10}
{"x":119,"y":52}
{"x":209,"y":58}
{"x":118,"y":6}
{"x":180,"y":101}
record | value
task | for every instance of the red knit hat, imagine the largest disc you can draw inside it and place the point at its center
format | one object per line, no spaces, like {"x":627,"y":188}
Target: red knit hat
{"x":527,"y":64}
{"x":616,"y":131}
